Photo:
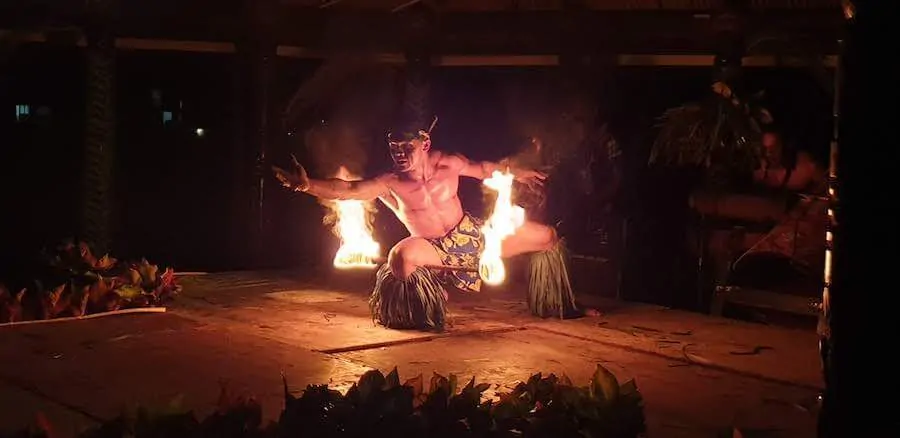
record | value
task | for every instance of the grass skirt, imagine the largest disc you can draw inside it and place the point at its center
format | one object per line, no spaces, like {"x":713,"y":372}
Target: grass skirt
{"x":549,"y":290}
{"x":419,"y":302}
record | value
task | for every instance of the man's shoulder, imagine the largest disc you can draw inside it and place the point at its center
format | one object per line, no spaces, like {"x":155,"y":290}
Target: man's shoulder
{"x":449,"y":159}
{"x":386,"y":178}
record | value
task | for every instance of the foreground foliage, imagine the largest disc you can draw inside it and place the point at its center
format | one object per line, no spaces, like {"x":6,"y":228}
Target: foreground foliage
{"x":74,"y":282}
{"x":379,"y":405}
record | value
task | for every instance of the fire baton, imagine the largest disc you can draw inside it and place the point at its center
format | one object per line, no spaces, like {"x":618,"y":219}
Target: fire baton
{"x":437,"y":267}
{"x":450,"y":268}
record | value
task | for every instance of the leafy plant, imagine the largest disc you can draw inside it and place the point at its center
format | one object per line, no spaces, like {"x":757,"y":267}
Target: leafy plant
{"x":721,"y":134}
{"x":380,"y":405}
{"x":74,"y":282}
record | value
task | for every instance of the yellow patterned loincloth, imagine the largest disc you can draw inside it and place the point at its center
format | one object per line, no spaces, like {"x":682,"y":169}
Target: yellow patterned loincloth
{"x":461,"y":247}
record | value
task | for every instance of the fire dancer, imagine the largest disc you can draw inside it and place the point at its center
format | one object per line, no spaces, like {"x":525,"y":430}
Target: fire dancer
{"x":445,"y":241}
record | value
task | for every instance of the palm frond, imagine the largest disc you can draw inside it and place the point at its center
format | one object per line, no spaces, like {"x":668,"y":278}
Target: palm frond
{"x":721,"y":132}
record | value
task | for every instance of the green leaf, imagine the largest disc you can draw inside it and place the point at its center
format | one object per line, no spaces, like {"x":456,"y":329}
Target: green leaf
{"x":439,"y":382}
{"x":134,"y":276}
{"x":128,"y":291}
{"x":454,"y":383}
{"x":392,"y":380}
{"x":288,"y":397}
{"x":604,"y":386}
{"x":628,"y":388}
{"x":417,"y":385}
{"x":370,"y":383}
{"x":569,"y":396}
{"x":148,"y":273}
{"x":471,"y":385}
{"x":482,"y":387}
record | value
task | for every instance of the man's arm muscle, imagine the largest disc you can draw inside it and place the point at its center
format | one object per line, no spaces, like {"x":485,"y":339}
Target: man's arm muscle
{"x":474,"y":169}
{"x":338,"y":189}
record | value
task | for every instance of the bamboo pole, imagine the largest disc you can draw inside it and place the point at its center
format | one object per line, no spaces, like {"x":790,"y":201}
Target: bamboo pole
{"x":90,"y":316}
{"x":824,"y":325}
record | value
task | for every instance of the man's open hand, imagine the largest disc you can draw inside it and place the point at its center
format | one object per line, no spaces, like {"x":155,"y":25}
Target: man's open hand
{"x":297,"y":180}
{"x":531,"y":178}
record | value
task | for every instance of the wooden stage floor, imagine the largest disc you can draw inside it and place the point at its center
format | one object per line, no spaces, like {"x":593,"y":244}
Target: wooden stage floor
{"x":698,"y":374}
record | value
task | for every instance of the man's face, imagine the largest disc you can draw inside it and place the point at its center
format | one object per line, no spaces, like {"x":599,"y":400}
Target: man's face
{"x":772,"y":145}
{"x":408,"y":154}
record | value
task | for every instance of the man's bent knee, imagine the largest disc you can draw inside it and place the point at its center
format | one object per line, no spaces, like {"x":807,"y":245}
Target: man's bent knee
{"x":409,"y":254}
{"x":545,"y":237}
{"x":552,"y":237}
{"x":398,"y":261}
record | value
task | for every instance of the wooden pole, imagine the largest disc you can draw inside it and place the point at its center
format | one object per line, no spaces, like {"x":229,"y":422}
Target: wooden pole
{"x":419,"y":28}
{"x":824,"y":326}
{"x":860,"y":319}
{"x":261,"y":52}
{"x":99,"y":145}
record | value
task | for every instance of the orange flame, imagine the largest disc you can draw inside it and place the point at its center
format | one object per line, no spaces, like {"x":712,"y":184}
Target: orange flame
{"x":503,"y":222}
{"x":353,"y":225}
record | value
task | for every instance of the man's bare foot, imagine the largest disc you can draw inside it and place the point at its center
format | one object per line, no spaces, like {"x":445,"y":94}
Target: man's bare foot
{"x":592,"y":313}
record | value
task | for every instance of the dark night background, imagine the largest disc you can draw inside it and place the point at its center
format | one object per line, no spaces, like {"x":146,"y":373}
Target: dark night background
{"x":175,"y":191}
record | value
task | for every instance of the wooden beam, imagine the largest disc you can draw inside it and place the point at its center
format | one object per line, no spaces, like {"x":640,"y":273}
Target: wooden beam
{"x":629,"y":60}
{"x":132,"y":43}
{"x":175,"y":46}
{"x":448,"y":60}
{"x":483,"y":33}
{"x":496,"y":60}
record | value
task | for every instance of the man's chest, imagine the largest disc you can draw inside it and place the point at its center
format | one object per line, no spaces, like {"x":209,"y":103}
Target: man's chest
{"x":423,"y":193}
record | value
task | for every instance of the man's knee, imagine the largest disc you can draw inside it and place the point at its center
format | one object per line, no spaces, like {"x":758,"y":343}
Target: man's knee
{"x":406,"y":256}
{"x":545,"y":237}
{"x":397,"y":259}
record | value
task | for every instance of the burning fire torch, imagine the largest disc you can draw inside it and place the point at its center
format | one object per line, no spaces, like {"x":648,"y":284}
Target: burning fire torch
{"x":503,"y":222}
{"x":353,"y":225}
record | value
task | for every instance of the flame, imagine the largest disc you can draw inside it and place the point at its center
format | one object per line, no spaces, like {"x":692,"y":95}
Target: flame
{"x":504,"y":221}
{"x":353,"y":225}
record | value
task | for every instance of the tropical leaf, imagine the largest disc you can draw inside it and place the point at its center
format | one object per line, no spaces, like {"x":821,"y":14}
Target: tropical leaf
{"x":392,"y":380}
{"x":87,"y":284}
{"x":604,"y":386}
{"x":11,"y":309}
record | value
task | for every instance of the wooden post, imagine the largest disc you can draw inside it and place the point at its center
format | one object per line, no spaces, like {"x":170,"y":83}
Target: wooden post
{"x":728,"y":28}
{"x":253,"y":75}
{"x":240,"y":206}
{"x":864,"y":238}
{"x":824,"y":326}
{"x":99,"y":146}
{"x":419,"y":31}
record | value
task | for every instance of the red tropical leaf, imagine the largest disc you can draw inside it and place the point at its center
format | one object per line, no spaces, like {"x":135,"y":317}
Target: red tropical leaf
{"x":104,"y":263}
{"x":79,"y":306}
{"x":86,"y":255}
{"x":10,"y":306}
{"x":98,"y":291}
{"x":61,"y":301}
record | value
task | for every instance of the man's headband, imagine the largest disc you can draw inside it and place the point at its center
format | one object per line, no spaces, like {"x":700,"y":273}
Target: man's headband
{"x":409,"y":136}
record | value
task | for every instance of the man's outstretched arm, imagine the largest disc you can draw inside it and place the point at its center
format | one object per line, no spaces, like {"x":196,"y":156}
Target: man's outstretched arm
{"x":333,"y":188}
{"x":338,"y":189}
{"x":484,"y":169}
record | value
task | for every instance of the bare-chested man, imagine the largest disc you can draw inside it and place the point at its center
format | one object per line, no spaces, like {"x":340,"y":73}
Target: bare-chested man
{"x":778,"y":170}
{"x":423,"y":193}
